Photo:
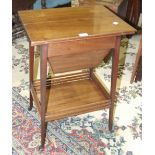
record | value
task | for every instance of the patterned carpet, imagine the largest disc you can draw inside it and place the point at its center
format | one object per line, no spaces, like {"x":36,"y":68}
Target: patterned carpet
{"x":85,"y":134}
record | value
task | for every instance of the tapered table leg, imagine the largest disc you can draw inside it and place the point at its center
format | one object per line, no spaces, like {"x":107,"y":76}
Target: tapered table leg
{"x":31,"y":66}
{"x":43,"y":97}
{"x":115,"y":60}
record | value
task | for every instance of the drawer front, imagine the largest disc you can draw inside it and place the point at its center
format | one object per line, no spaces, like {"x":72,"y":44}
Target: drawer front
{"x":79,"y":46}
{"x":71,"y":62}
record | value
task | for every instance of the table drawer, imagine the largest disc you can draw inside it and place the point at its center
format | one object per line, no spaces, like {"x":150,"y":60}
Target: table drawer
{"x":71,"y":62}
{"x":79,"y":46}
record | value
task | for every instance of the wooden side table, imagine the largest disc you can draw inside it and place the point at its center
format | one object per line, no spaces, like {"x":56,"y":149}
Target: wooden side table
{"x":72,"y":39}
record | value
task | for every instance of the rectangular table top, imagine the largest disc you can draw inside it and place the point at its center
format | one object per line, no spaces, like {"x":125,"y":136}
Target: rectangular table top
{"x":46,"y":25}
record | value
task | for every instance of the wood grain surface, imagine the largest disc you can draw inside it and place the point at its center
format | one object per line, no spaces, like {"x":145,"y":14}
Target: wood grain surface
{"x":44,"y":26}
{"x":73,"y":98}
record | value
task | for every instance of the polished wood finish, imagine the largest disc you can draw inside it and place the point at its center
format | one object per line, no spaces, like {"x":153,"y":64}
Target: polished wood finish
{"x":68,"y":23}
{"x":71,"y":62}
{"x":73,"y":98}
{"x":73,"y":55}
{"x":43,"y":95}
{"x":63,"y":56}
{"x":70,"y":93}
{"x":114,"y":71}
{"x":82,"y":45}
{"x":31,"y":66}
{"x":56,"y":32}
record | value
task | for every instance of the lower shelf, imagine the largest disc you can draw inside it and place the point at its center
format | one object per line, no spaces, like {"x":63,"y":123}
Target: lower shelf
{"x":73,"y":98}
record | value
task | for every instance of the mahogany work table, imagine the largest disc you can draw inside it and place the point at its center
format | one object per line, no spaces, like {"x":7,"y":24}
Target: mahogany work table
{"x":72,"y":39}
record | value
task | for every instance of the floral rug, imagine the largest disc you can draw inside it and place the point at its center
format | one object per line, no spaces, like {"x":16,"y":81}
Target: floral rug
{"x":85,"y":134}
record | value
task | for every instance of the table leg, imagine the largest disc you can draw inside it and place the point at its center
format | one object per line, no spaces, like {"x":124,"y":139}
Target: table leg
{"x":31,"y":66}
{"x":115,"y":60}
{"x":138,"y":57}
{"x":43,"y":97}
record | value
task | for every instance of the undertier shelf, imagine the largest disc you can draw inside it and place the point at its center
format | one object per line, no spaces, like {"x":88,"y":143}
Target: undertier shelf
{"x":71,"y":98}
